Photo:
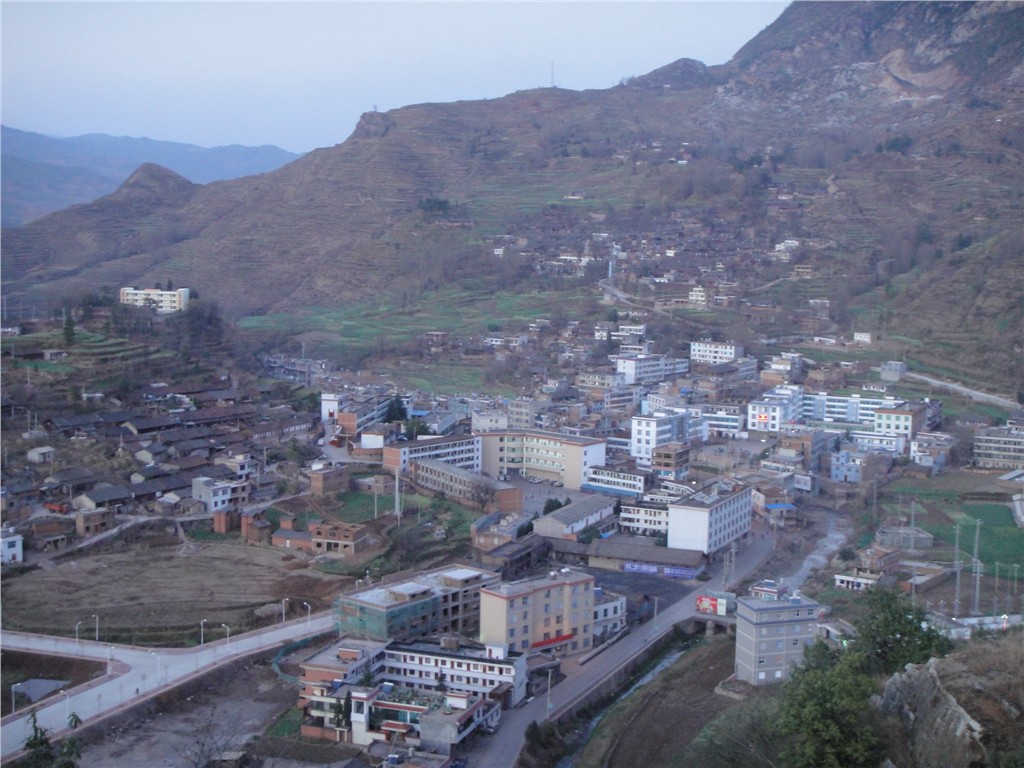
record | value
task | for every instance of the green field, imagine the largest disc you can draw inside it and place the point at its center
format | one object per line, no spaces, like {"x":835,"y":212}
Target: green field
{"x":1000,"y":540}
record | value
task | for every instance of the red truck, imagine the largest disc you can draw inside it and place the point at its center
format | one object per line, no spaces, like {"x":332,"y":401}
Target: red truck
{"x":58,"y":506}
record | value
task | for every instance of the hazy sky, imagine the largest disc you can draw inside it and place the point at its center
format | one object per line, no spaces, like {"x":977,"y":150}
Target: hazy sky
{"x":299,"y":74}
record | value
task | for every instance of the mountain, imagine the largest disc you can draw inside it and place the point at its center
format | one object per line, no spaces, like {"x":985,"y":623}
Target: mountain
{"x":887,"y":134}
{"x":43,"y":174}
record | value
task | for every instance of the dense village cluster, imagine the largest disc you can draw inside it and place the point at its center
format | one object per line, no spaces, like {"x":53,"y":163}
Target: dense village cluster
{"x":669,"y":463}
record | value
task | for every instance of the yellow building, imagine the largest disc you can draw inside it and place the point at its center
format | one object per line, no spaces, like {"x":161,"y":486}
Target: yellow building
{"x":552,"y":613}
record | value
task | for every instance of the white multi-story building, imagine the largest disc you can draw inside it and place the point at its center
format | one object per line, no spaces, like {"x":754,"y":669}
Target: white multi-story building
{"x":776,"y":408}
{"x":712,"y":519}
{"x":658,"y":428}
{"x":847,"y":409}
{"x":649,"y":369}
{"x":484,"y":421}
{"x":451,"y":664}
{"x":11,"y":549}
{"x":161,"y":301}
{"x":644,"y":518}
{"x":724,"y":420}
{"x":617,"y":482}
{"x":463,"y":451}
{"x":714,"y":352}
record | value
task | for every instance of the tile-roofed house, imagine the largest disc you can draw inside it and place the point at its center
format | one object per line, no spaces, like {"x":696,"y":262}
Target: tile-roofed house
{"x":102,"y":496}
{"x":69,"y":479}
{"x":149,"y":425}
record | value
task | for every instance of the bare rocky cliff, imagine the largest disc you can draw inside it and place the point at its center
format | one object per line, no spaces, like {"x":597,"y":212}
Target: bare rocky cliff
{"x":963,"y":711}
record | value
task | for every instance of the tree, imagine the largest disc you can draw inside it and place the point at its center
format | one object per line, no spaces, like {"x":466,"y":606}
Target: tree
{"x":550,"y":505}
{"x":416,"y":427}
{"x":894,"y":633}
{"x":69,"y":327}
{"x":39,"y":751}
{"x":346,"y":710}
{"x":396,"y":410}
{"x":826,"y":714}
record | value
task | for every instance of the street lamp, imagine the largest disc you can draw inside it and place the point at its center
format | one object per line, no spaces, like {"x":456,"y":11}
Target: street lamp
{"x":77,"y":625}
{"x":284,"y":603}
{"x":155,"y":656}
{"x":228,"y":646}
{"x":67,"y":698}
{"x":94,"y":616}
{"x":202,"y":636}
{"x":13,"y":706}
{"x":309,"y":611}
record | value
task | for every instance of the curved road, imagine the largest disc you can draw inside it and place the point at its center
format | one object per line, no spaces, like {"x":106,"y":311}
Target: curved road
{"x":134,"y":673}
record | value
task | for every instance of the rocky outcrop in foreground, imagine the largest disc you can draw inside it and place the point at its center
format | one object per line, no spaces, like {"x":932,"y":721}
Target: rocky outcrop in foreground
{"x":961,"y":711}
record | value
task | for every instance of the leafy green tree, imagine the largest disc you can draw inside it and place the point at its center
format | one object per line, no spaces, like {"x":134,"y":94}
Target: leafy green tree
{"x":416,"y":427}
{"x":69,"y":327}
{"x":551,"y":505}
{"x":396,"y":410}
{"x":894,"y":633}
{"x":39,"y":750}
{"x":826,"y":715}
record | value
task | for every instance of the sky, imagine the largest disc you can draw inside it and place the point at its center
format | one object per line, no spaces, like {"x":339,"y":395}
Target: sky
{"x":298,"y":75}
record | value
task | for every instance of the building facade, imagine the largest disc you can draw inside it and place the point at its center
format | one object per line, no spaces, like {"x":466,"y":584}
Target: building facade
{"x":162,"y":301}
{"x":541,"y":454}
{"x":714,"y":352}
{"x":463,"y":452}
{"x":442,"y":600}
{"x":553,"y":613}
{"x":772,"y":631}
{"x":712,"y":519}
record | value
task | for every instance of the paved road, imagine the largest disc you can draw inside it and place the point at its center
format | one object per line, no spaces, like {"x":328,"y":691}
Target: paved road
{"x":960,"y":389}
{"x":135,"y":673}
{"x":501,"y":750}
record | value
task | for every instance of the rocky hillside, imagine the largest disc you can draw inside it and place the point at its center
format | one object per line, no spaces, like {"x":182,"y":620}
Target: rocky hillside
{"x":963,"y":710}
{"x":893,"y":128}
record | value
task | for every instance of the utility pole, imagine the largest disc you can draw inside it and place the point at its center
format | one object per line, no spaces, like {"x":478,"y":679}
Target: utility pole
{"x":977,"y":568}
{"x":548,"y":711}
{"x":398,"y":493}
{"x":956,"y":567}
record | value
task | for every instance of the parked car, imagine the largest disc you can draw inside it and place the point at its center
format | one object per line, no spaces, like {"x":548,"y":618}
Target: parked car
{"x":536,"y":480}
{"x":557,"y":483}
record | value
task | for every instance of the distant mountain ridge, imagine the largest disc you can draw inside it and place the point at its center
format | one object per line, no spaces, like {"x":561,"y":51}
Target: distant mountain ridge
{"x":42,"y":174}
{"x":893,"y":130}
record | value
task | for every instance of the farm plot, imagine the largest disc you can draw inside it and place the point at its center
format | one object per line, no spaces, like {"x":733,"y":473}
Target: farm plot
{"x":156,"y":591}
